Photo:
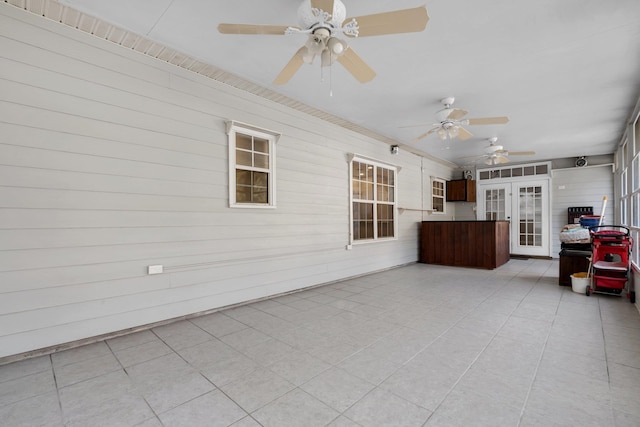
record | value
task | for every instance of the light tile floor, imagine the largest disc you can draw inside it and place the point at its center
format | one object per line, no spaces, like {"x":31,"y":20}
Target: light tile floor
{"x":414,"y":346}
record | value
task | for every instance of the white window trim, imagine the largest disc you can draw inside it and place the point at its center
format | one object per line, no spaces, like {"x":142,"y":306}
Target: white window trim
{"x":444,"y":195}
{"x":234,"y":127}
{"x":396,"y":169}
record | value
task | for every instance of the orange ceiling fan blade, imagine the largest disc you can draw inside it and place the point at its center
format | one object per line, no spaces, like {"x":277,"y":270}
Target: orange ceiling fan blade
{"x":457,"y":114}
{"x":326,"y":5}
{"x":396,"y":22}
{"x":424,"y":135}
{"x":356,"y":66}
{"x":464,"y":134}
{"x":291,"y":68}
{"x":489,"y":121}
{"x":276,"y":30}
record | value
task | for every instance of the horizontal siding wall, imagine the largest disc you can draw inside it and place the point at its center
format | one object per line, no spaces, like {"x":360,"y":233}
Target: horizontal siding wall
{"x":112,"y":161}
{"x":579,"y":187}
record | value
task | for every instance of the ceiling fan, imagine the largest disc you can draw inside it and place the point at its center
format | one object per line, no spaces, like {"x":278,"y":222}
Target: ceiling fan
{"x":496,"y":154}
{"x":450,"y":122}
{"x":324,"y":21}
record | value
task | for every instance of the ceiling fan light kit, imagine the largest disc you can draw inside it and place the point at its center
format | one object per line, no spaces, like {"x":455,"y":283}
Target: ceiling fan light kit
{"x":323,"y":20}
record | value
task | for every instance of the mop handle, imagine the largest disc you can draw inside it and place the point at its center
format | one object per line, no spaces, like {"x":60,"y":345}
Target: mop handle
{"x":604,"y":205}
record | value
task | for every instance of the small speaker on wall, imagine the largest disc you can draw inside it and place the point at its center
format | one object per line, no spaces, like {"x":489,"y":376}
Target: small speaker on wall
{"x":467,"y":175}
{"x":581,"y":162}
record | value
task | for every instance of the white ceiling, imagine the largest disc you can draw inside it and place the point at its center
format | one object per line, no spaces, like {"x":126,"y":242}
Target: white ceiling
{"x":565,"y":72}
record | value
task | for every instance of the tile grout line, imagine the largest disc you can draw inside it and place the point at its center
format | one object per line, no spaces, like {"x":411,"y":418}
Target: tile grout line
{"x":535,"y":374}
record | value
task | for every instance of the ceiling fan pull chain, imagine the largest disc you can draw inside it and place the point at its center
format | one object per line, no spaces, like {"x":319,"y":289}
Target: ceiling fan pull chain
{"x":330,"y":76}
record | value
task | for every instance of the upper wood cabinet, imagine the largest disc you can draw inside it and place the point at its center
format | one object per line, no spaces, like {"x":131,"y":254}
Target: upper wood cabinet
{"x":461,"y":190}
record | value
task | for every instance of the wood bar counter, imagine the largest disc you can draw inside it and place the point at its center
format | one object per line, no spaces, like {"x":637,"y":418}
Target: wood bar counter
{"x":479,"y":244}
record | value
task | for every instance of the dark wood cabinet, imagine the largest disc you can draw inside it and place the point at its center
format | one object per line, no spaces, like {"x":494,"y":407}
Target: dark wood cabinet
{"x":479,"y":244}
{"x":572,"y":262}
{"x":461,"y":190}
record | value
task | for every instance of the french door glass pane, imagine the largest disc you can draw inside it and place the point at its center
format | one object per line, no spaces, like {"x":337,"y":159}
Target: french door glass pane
{"x":530,"y":206}
{"x":495,"y":204}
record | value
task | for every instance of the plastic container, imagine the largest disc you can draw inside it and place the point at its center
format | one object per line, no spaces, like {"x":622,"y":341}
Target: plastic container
{"x":587,"y":221}
{"x":579,"y":282}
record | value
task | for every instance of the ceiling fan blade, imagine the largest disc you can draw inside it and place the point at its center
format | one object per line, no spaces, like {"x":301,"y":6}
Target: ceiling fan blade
{"x":500,"y":159}
{"x":276,"y":30}
{"x":420,"y":125}
{"x":489,"y":121}
{"x":457,"y":114}
{"x":291,"y":68}
{"x":326,"y":5}
{"x":399,"y":21}
{"x":464,"y":134}
{"x":521,"y":153}
{"x":356,"y":66}
{"x":424,"y":135}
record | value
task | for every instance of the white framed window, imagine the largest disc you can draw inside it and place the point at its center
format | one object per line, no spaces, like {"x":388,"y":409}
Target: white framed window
{"x":635,"y":210}
{"x":252,"y":160}
{"x":373,"y":200}
{"x":635,"y":173}
{"x":438,"y":195}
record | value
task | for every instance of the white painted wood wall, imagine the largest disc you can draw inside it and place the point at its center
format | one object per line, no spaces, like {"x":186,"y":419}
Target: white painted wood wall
{"x":112,"y":161}
{"x":579,"y":187}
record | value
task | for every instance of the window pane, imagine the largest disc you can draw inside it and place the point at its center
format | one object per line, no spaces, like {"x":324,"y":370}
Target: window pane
{"x":358,"y":170}
{"x":261,"y":161}
{"x":385,"y":221}
{"x":243,"y":177}
{"x":635,"y":172}
{"x":243,"y":158}
{"x":355,"y":189}
{"x":260,"y":195}
{"x":362,"y":221}
{"x":243,"y":141}
{"x":261,"y":145}
{"x":438,"y":204}
{"x":260,"y":179}
{"x":369,"y":191}
{"x":382,"y":193}
{"x":369,"y":175}
{"x":243,"y":194}
{"x":252,"y":187}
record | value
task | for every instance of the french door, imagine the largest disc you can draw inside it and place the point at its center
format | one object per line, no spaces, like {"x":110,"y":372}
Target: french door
{"x":525,"y":204}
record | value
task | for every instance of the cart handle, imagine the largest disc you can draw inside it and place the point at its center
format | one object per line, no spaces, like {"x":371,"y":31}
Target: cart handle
{"x":595,"y":229}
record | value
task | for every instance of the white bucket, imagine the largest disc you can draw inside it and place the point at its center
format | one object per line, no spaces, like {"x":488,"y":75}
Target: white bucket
{"x":579,"y":282}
